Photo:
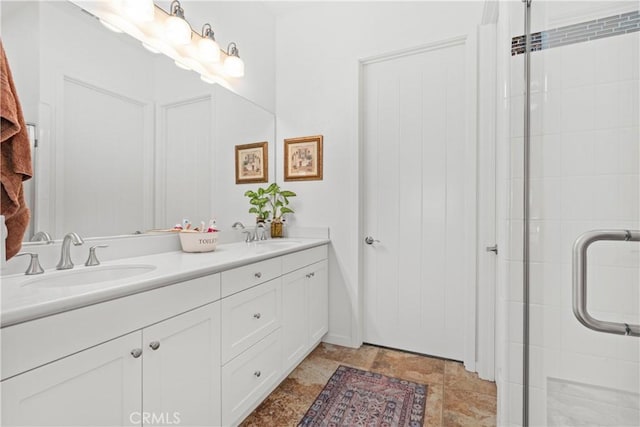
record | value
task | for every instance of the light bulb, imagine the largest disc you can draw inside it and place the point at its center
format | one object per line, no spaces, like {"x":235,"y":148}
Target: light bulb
{"x":234,"y":66}
{"x":178,"y":30}
{"x":139,"y":10}
{"x":208,"y":50}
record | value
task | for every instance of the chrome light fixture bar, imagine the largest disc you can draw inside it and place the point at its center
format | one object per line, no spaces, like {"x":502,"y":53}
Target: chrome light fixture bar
{"x":169,"y":33}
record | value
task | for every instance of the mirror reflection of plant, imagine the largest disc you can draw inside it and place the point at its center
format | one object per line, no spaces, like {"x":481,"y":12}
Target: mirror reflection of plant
{"x":272,"y":202}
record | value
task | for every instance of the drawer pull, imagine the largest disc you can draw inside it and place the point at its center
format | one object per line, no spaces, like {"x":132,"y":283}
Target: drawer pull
{"x":310,"y":275}
{"x":136,"y":352}
{"x":257,"y":315}
{"x":257,"y":374}
{"x":258,"y":275}
{"x":154,"y":345}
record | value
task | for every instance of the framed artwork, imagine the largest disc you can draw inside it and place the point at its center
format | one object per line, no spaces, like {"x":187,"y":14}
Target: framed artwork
{"x":252,"y":163}
{"x":303,"y":158}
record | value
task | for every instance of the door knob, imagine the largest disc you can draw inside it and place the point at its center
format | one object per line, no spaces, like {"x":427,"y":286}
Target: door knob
{"x":370,"y":240}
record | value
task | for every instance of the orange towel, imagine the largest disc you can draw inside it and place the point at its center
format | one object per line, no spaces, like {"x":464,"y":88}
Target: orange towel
{"x":15,"y":157}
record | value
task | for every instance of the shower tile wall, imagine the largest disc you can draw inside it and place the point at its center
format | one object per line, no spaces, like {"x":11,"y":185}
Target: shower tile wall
{"x":584,"y":175}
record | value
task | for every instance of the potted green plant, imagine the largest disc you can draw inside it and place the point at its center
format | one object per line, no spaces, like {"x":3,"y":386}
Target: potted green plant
{"x":272,"y":202}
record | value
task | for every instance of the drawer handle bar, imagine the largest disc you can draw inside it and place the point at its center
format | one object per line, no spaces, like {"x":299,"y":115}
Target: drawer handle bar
{"x":580,"y":281}
{"x":258,"y":275}
{"x":257,"y":315}
{"x":257,"y":374}
{"x":154,"y":345}
{"x":136,"y":352}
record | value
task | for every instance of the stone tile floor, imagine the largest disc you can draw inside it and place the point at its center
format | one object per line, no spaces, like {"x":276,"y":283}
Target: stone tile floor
{"x":455,"y":397}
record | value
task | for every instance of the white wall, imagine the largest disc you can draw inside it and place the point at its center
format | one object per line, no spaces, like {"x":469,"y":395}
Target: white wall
{"x":317,"y":49}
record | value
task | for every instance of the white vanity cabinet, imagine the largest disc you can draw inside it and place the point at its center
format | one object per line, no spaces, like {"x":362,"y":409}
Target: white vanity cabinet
{"x":269,"y":325}
{"x":167,"y":371}
{"x":201,"y":352}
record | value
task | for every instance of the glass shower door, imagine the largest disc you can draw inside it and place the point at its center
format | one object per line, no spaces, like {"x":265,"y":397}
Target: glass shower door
{"x":584,"y":176}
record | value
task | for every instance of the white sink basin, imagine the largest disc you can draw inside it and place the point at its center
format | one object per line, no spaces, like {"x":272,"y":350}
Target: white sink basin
{"x":88,"y":275}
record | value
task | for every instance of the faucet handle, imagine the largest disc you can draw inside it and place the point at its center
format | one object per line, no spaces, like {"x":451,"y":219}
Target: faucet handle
{"x":93,"y":259}
{"x":34,"y":264}
{"x":248,"y":234}
{"x":42,"y":236}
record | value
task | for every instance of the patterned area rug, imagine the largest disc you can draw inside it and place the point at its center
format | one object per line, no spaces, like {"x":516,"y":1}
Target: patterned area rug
{"x":353,"y":397}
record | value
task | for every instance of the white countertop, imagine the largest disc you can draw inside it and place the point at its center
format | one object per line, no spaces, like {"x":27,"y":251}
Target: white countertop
{"x":21,"y":303}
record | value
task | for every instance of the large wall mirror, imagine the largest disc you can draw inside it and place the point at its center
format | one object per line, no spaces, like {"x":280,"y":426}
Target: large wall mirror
{"x":127,"y":142}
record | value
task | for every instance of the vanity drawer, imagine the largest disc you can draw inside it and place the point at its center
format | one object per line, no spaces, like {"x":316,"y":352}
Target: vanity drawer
{"x":300,"y":259}
{"x":249,"y":316}
{"x":248,"y":378}
{"x":241,"y":278}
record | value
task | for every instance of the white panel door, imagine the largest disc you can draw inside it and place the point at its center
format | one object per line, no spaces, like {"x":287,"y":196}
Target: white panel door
{"x":103,"y":162}
{"x":182,"y":369}
{"x":100,"y":386}
{"x":416,"y":199}
{"x":185,"y":163}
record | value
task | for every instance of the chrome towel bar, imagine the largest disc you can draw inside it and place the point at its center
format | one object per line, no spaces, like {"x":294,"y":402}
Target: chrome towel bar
{"x":580,"y":247}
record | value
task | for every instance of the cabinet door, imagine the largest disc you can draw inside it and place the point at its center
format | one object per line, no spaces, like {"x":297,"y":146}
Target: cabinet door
{"x":96,"y":387}
{"x":295,"y":324}
{"x":181,"y":373}
{"x":318,"y":301}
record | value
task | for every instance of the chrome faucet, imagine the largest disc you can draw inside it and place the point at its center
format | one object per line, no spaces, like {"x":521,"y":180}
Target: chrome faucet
{"x":42,"y":236}
{"x":65,"y":257}
{"x":238,"y":225}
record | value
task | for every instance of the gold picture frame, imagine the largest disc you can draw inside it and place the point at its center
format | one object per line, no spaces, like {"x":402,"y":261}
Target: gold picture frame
{"x":252,"y":163}
{"x":303,"y":158}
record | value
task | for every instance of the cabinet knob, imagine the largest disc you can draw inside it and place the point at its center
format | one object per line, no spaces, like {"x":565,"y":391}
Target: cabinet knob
{"x":136,"y":352}
{"x":258,"y":275}
{"x":257,"y":315}
{"x":154,"y":345}
{"x":257,"y":374}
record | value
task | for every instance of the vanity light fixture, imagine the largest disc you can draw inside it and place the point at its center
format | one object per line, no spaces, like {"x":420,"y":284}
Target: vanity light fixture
{"x":233,"y":65}
{"x":208,"y":48}
{"x":168,"y":32}
{"x":178,"y":30}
